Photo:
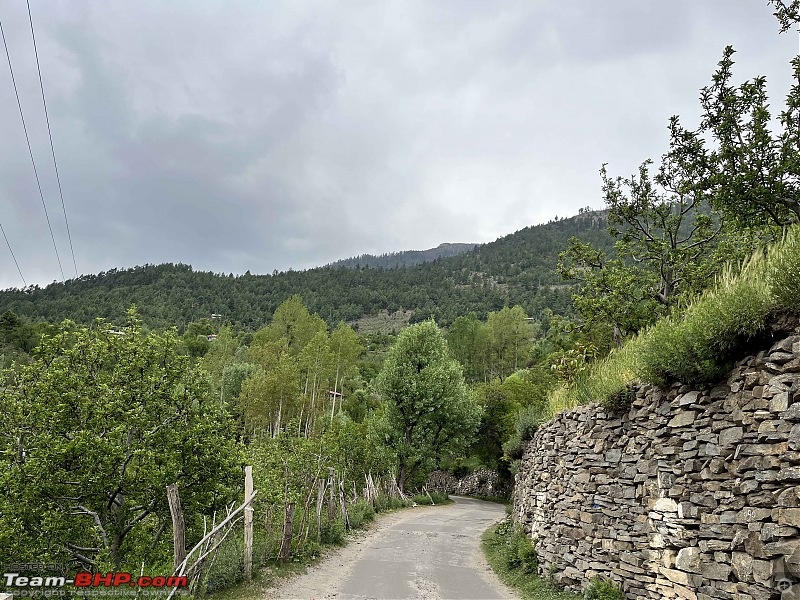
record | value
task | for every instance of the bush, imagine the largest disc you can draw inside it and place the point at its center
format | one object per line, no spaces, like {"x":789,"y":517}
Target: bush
{"x":528,"y":420}
{"x":359,"y":514}
{"x":431,"y":498}
{"x":601,"y":589}
{"x":332,"y":533}
{"x":384,"y":503}
{"x":520,"y":550}
{"x":459,"y":470}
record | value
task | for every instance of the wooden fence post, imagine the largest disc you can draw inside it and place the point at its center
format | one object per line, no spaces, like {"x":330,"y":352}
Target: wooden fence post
{"x":331,"y":495}
{"x":320,"y":500}
{"x":248,"y":524}
{"x":178,"y":527}
{"x":286,"y":539}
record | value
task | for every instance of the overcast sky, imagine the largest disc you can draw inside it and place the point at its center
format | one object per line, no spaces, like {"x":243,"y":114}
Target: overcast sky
{"x":239,"y":136}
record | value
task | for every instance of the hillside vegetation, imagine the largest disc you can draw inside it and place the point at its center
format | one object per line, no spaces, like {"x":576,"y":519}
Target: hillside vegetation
{"x":516,"y":269}
{"x":405,"y":258}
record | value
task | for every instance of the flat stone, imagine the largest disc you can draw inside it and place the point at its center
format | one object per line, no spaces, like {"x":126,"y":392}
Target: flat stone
{"x":688,"y":559}
{"x":682,"y":419}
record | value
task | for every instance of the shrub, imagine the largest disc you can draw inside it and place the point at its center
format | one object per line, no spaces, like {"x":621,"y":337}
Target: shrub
{"x":528,"y":420}
{"x":431,"y":498}
{"x":601,"y":589}
{"x":459,"y":470}
{"x":359,"y":514}
{"x":521,"y":553}
{"x":384,"y":503}
{"x":332,"y":532}
{"x":785,"y":271}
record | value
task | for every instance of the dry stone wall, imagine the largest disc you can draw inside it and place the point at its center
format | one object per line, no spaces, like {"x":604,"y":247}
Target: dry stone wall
{"x":482,"y":482}
{"x":688,"y":494}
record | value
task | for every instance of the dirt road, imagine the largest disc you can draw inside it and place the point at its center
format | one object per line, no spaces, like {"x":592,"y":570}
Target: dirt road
{"x":425,"y":552}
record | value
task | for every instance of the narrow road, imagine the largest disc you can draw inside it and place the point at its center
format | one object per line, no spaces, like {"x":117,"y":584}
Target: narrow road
{"x":425,"y":552}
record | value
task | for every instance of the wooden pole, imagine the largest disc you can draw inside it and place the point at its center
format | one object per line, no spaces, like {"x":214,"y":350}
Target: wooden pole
{"x":178,"y":526}
{"x":286,"y":539}
{"x":320,"y":499}
{"x":248,"y":524}
{"x":331,"y":496}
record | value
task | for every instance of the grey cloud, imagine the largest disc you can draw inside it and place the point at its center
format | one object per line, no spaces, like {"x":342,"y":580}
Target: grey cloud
{"x":252,"y":136}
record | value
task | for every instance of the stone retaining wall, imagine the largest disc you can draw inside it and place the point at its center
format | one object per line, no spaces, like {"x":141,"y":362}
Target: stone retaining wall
{"x":689,"y":494}
{"x":481,"y":482}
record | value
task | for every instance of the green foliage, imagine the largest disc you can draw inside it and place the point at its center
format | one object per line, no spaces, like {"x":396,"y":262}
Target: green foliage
{"x":404,"y":258}
{"x":784,"y":272}
{"x":359,"y":514}
{"x":521,"y":552}
{"x":512,"y":555}
{"x":601,"y":589}
{"x":431,"y":498}
{"x":752,"y":171}
{"x":670,"y":243}
{"x":332,"y":533}
{"x":527,"y":421}
{"x":385,"y":503}
{"x":516,"y":269}
{"x":96,"y":428}
{"x":494,"y":349}
{"x":465,"y":342}
{"x":699,"y":345}
{"x":787,"y":13}
{"x":430,"y":414}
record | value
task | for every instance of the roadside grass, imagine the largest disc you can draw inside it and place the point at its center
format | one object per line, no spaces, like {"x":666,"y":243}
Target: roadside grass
{"x":264,"y":579}
{"x":432,"y":498}
{"x":512,"y":557}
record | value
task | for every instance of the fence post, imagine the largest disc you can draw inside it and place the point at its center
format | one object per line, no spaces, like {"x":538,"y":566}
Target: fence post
{"x":248,"y":524}
{"x":286,"y":539}
{"x":320,"y":499}
{"x":178,"y":527}
{"x":331,"y":496}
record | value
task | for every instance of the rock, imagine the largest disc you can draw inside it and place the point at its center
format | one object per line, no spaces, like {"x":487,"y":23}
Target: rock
{"x":682,"y":419}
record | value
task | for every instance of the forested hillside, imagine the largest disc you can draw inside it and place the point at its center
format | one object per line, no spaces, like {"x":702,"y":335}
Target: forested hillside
{"x":518,"y":269}
{"x":406,"y":258}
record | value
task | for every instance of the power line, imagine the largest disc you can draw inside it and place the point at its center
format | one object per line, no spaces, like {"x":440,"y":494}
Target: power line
{"x":30,"y":151}
{"x":12,"y":255}
{"x":50,"y":134}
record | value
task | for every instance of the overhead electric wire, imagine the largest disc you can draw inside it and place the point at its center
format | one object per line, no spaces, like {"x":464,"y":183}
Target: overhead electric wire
{"x":12,"y":255}
{"x":30,"y":151}
{"x":52,"y":147}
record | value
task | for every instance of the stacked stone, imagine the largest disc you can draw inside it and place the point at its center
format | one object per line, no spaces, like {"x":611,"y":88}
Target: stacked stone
{"x":442,"y":481}
{"x":483,"y":482}
{"x":689,"y":494}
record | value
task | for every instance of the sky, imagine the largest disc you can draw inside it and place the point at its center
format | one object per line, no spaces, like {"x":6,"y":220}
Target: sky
{"x":259,"y":136}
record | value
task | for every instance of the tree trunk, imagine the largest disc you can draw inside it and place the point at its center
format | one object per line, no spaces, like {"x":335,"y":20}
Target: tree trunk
{"x":178,"y":526}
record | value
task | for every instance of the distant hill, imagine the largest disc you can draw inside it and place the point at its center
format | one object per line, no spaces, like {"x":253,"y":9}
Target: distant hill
{"x":405,"y":258}
{"x":516,"y":269}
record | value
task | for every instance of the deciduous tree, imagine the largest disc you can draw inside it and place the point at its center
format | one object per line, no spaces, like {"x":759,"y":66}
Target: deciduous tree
{"x":429,"y":411}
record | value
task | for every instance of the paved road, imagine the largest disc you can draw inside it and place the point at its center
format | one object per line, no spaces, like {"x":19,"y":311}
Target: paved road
{"x":431,"y":553}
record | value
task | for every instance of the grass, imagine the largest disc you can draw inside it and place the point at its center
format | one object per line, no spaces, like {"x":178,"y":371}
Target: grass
{"x":263,"y":579}
{"x":699,"y":345}
{"x":508,"y":556}
{"x":435,"y":498}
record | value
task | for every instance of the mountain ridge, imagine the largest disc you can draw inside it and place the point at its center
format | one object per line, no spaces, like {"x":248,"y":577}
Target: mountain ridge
{"x":518,"y":268}
{"x":403,"y":258}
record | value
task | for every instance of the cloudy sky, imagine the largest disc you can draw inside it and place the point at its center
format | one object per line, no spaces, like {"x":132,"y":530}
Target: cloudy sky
{"x":266,"y":135}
